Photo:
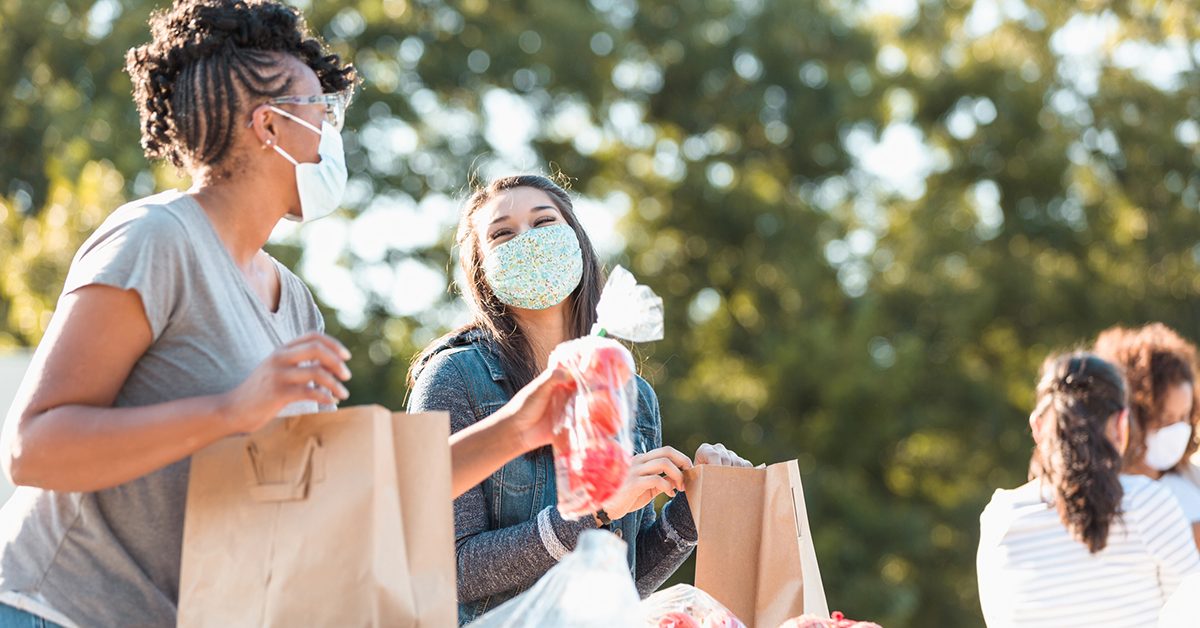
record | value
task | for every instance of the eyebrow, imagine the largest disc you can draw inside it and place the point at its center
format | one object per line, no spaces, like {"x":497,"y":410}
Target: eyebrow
{"x":539,"y":208}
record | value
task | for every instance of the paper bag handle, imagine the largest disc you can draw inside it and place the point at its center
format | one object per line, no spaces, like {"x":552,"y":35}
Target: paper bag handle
{"x":295,"y":490}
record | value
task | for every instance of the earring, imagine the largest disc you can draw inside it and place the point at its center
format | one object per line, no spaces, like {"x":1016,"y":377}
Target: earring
{"x":268,"y":144}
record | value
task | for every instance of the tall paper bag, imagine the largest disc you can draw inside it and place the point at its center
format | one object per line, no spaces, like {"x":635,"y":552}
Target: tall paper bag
{"x":334,"y":519}
{"x":756,"y":552}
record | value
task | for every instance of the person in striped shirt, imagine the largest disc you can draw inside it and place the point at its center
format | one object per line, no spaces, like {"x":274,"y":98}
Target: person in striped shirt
{"x":1081,"y":544}
{"x":1164,"y":403}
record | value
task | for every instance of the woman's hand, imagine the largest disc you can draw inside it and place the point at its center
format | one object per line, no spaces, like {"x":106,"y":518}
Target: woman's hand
{"x":309,"y":368}
{"x":534,"y":410}
{"x":718,"y":455}
{"x":524,"y":423}
{"x":656,"y":471}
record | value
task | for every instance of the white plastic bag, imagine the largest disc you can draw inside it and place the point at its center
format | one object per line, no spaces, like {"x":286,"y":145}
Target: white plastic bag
{"x":589,"y":588}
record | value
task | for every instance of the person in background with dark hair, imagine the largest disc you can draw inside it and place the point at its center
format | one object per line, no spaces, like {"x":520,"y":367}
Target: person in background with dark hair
{"x":533,"y":282}
{"x":1082,"y":544}
{"x":1160,"y":367}
{"x":175,"y":328}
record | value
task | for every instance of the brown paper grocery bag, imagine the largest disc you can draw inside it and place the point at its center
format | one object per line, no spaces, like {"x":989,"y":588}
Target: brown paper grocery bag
{"x":756,"y":552}
{"x":334,"y":519}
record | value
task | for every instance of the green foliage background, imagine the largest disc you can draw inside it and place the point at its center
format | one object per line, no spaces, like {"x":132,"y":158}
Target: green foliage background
{"x":885,"y":334}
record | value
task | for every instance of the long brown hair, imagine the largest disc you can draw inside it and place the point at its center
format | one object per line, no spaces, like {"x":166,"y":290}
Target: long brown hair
{"x":496,"y":319}
{"x":1080,"y":393}
{"x":1154,"y":358}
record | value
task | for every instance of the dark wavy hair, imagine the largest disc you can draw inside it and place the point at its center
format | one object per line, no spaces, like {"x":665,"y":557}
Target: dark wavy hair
{"x":495,"y":318}
{"x":1155,"y":358}
{"x":207,"y":61}
{"x":1080,"y":393}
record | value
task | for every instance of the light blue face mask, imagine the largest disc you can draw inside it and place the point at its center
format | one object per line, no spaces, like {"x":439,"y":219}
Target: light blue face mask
{"x":537,"y":269}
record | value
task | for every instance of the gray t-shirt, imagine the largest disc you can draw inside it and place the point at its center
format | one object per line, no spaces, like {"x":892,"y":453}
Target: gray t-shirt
{"x":112,"y":557}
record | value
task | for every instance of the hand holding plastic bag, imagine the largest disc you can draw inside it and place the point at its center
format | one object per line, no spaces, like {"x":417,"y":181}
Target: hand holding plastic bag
{"x":685,"y":606}
{"x":590,"y":588}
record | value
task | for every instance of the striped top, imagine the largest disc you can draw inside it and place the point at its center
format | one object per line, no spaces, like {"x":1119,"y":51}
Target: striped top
{"x":1186,"y":493}
{"x":1032,"y":572}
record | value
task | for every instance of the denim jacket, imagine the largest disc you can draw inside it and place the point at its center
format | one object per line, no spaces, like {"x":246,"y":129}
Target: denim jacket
{"x":508,"y":532}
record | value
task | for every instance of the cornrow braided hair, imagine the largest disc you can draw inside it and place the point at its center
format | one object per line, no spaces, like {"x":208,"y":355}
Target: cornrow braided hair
{"x":206,"y":61}
{"x":1080,"y":392}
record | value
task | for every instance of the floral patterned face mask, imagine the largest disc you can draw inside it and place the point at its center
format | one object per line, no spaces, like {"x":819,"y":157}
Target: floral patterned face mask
{"x":537,"y":269}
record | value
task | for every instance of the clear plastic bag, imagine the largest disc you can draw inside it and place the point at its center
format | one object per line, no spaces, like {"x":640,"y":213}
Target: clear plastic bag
{"x":593,"y":443}
{"x":837,"y":620}
{"x":685,"y":606}
{"x":628,"y":310}
{"x":590,"y":588}
{"x":594,"y":438}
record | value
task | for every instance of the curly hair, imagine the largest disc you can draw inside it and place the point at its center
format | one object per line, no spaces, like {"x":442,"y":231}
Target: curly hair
{"x":206,"y":60}
{"x":1154,"y":358}
{"x":1081,"y":392}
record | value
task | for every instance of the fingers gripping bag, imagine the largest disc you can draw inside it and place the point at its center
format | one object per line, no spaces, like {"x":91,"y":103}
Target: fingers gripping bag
{"x":593,"y":441}
{"x":685,"y":606}
{"x":590,"y":588}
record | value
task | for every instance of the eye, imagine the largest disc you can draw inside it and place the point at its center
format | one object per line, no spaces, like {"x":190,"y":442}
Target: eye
{"x":545,"y":220}
{"x":499,"y":233}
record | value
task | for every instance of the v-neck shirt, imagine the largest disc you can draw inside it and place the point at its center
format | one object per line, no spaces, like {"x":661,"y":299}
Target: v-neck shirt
{"x":112,"y":557}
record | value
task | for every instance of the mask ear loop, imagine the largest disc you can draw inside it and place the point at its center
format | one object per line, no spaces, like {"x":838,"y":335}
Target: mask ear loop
{"x":285,"y":155}
{"x":275,"y":146}
{"x":305,"y":123}
{"x":295,"y":119}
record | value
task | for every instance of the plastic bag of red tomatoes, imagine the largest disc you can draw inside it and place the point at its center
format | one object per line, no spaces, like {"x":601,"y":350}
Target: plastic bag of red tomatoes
{"x":593,"y":441}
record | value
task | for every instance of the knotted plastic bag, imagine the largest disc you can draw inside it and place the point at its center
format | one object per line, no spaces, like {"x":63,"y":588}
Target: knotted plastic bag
{"x":685,"y":606}
{"x":589,"y":588}
{"x":628,"y":310}
{"x":593,"y":441}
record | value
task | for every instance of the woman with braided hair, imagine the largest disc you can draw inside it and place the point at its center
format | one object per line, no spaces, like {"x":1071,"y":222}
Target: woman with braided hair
{"x":1081,"y":544}
{"x":175,"y":328}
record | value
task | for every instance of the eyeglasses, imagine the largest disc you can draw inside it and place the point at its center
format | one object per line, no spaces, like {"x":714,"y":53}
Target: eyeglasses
{"x":335,"y":105}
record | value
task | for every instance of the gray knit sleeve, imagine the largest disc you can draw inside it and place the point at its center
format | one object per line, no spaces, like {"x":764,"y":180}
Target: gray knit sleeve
{"x":665,"y":542}
{"x":489,"y":562}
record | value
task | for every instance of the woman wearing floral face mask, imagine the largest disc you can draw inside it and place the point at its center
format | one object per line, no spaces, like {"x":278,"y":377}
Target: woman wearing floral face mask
{"x":175,"y":329}
{"x":1161,"y":369}
{"x":534,"y":281}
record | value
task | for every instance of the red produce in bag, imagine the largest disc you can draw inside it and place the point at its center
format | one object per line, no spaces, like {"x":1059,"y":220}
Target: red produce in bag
{"x":594,"y":439}
{"x":685,"y":606}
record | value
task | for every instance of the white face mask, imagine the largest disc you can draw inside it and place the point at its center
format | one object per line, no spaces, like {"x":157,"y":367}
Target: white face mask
{"x":322,"y":184}
{"x":1165,"y":447}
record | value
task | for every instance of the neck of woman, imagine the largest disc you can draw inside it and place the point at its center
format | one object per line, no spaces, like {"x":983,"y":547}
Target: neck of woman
{"x":544,"y":329}
{"x":1141,"y":468}
{"x":239,"y":213}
